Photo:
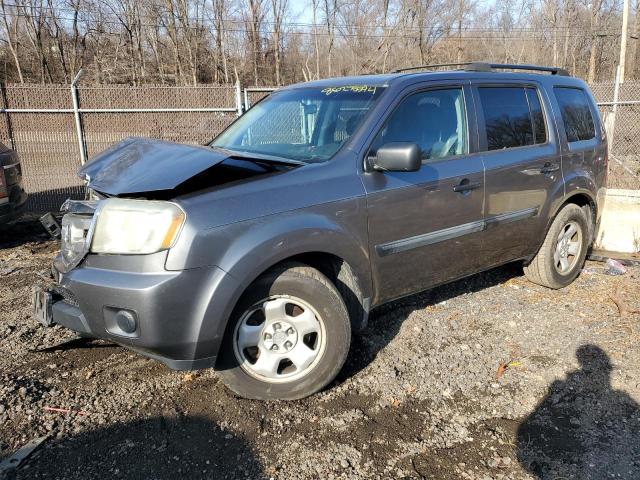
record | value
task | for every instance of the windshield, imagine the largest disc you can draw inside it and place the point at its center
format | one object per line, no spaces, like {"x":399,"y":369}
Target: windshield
{"x":307,"y":124}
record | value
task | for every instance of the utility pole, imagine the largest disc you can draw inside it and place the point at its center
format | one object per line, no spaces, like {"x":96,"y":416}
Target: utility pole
{"x":623,"y":39}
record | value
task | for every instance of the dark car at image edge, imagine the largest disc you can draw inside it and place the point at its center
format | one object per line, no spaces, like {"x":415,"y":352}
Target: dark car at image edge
{"x":13,"y":198}
{"x":261,"y":253}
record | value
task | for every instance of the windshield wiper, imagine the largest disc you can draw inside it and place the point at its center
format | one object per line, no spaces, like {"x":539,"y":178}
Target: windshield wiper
{"x":261,"y":157}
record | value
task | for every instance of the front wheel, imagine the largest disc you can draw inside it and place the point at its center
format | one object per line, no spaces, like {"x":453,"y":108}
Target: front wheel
{"x":562,"y":255}
{"x":288,"y":337}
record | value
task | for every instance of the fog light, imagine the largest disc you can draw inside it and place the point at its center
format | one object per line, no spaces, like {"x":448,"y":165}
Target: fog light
{"x":126,"y":321}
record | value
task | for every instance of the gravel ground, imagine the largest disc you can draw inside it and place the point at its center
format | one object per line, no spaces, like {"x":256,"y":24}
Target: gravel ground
{"x":423,"y":394}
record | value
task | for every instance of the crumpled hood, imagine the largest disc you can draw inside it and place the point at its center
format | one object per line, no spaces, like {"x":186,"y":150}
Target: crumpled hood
{"x":139,"y":165}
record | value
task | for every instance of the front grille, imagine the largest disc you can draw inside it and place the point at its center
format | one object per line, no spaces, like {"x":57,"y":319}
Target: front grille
{"x":64,"y":295}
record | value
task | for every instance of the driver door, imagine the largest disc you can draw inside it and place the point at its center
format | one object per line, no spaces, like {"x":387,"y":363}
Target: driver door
{"x":425,"y":226}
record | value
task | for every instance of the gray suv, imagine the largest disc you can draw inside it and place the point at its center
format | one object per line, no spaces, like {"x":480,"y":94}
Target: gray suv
{"x":261,"y":253}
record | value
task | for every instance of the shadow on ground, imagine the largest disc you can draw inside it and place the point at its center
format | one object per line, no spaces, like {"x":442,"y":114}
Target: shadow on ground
{"x":27,"y":228}
{"x":22,"y":231}
{"x":155,"y":448}
{"x":385,"y":321}
{"x":583,"y":428}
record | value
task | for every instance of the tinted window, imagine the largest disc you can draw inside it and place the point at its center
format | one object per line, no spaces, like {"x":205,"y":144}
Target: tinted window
{"x":509,"y":120}
{"x":576,"y":114}
{"x":435,"y":120}
{"x":539,"y":129}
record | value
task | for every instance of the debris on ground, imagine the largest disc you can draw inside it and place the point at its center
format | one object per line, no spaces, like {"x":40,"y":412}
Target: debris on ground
{"x":12,"y":462}
{"x":7,"y":271}
{"x":502,"y":367}
{"x":623,"y":308}
{"x":189,"y":377}
{"x":614,"y":267}
{"x":64,"y":410}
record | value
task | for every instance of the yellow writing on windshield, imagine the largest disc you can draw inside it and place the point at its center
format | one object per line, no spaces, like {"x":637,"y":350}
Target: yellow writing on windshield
{"x":350,"y":88}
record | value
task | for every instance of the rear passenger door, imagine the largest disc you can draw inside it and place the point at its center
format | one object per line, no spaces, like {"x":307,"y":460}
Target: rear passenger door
{"x":522,"y":162}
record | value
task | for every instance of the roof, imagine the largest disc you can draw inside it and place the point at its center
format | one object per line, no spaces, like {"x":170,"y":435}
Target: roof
{"x":384,"y":80}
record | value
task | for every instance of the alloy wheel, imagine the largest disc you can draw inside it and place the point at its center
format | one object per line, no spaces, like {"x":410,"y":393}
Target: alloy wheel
{"x":568,"y":248}
{"x":279,"y":339}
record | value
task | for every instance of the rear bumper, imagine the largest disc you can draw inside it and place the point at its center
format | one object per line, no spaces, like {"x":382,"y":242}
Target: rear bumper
{"x":180,"y":317}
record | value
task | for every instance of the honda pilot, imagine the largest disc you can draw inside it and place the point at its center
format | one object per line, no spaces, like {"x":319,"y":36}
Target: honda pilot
{"x":261,"y":253}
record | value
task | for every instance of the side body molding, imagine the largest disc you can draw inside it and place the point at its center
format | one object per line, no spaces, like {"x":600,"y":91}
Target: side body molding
{"x":430,"y":238}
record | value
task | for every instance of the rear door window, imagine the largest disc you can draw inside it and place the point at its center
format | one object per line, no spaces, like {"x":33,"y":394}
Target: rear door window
{"x":537,"y":116}
{"x":513,"y":117}
{"x":576,"y":114}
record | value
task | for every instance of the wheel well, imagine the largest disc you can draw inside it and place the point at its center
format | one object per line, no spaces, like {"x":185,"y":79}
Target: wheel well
{"x":582,"y":200}
{"x":343,"y":276}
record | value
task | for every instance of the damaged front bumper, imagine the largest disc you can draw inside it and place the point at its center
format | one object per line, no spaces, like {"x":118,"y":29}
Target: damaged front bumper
{"x":173,"y":317}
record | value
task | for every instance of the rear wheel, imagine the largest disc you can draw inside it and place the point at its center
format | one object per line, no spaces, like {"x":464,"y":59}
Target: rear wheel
{"x":562,"y":255}
{"x":288,"y":337}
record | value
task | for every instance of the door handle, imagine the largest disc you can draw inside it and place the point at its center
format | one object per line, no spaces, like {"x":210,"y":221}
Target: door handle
{"x":549,"y":168}
{"x":466,"y":186}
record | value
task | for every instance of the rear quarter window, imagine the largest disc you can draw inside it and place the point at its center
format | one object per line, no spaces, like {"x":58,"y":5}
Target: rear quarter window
{"x":576,"y":114}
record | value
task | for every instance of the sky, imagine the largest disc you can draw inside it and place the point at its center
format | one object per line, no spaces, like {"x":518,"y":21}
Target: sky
{"x":301,"y":11}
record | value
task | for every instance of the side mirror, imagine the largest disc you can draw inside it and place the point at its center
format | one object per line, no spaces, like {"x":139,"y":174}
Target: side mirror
{"x":398,"y":157}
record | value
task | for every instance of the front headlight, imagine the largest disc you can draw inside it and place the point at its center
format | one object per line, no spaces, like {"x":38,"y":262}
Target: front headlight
{"x":136,"y":226}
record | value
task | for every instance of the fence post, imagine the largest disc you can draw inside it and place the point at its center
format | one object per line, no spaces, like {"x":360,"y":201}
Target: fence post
{"x":246,"y":100}
{"x":76,"y":114}
{"x":5,"y":105}
{"x":238,"y":98}
{"x":614,"y":110}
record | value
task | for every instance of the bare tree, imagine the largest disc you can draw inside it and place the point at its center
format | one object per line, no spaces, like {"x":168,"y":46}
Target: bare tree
{"x":314,"y":8}
{"x":596,"y":6}
{"x":10,"y":27}
{"x":34,"y":14}
{"x":330,"y":14}
{"x":192,"y":41}
{"x":278,"y":11}
{"x":254,"y":19}
{"x":219,"y":9}
{"x":171,"y":26}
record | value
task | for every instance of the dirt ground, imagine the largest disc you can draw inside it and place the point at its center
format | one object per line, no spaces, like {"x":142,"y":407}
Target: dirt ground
{"x":425,"y":392}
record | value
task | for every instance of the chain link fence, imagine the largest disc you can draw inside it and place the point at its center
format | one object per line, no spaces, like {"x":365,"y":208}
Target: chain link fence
{"x":253,"y":95}
{"x":621,"y":116}
{"x":54,"y":128}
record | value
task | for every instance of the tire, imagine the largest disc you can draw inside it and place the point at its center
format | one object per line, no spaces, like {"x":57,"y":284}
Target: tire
{"x":547,"y":267}
{"x":300,"y":327}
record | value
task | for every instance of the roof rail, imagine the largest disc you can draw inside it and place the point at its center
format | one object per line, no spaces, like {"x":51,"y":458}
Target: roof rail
{"x":434,"y":65}
{"x":489,"y":67}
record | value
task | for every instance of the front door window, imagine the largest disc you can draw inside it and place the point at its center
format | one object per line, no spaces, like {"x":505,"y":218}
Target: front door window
{"x":434,"y":119}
